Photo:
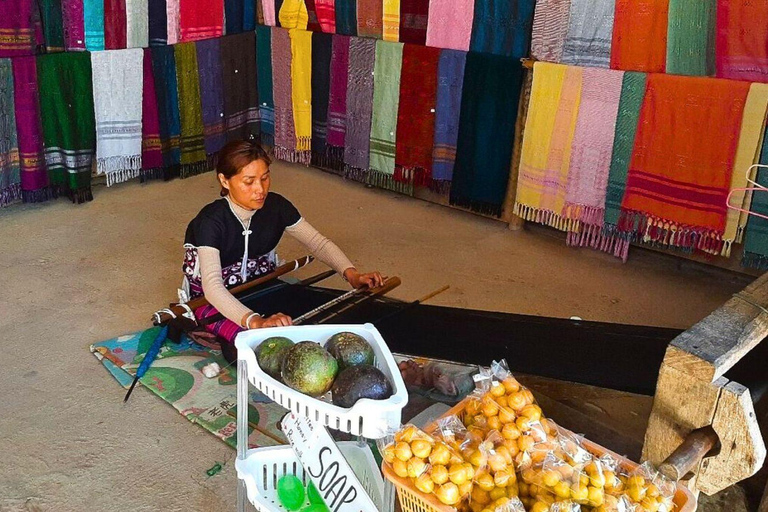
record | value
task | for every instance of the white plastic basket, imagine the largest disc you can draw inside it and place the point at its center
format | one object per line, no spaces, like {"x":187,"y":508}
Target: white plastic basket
{"x":372,"y":419}
{"x":262,"y":468}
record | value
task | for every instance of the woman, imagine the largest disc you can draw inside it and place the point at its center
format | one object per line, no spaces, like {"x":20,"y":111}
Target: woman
{"x":232,"y":240}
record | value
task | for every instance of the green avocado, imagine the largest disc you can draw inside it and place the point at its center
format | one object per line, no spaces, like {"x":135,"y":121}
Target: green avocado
{"x":270,"y":354}
{"x":361,"y":381}
{"x":349,"y":349}
{"x":309,"y":368}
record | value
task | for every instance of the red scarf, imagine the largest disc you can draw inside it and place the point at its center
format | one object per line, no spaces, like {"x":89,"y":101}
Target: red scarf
{"x":416,"y":114}
{"x":201,"y":19}
{"x":115,"y":24}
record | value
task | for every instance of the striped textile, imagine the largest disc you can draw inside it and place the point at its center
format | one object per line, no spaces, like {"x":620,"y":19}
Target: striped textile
{"x":362,"y":53}
{"x":73,"y":18}
{"x":118,"y":85}
{"x":391,"y":20}
{"x":20,"y":29}
{"x":550,"y":27}
{"x":681,"y":166}
{"x":200,"y":19}
{"x":193,"y":158}
{"x":386,"y":96}
{"x":369,"y":18}
{"x":10,"y":179}
{"x":591,"y":156}
{"x":301,"y":93}
{"x":282,"y":92}
{"x":590,"y":31}
{"x":94,"y":24}
{"x":326,"y":15}
{"x":337,"y":103}
{"x":547,"y":143}
{"x":151,"y":148}
{"x":450,"y":78}
{"x":413,"y":21}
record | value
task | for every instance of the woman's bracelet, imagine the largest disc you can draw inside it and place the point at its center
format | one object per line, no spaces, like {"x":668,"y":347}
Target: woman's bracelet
{"x":248,"y":320}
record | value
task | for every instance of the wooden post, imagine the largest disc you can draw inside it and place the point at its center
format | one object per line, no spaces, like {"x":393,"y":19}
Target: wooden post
{"x":692,"y":392}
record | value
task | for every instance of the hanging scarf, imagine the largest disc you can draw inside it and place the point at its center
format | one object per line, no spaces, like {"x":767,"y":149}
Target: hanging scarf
{"x":20,"y":26}
{"x":491,"y":94}
{"x":211,"y":96}
{"x":73,"y":16}
{"x":591,"y":156}
{"x":137,"y":22}
{"x":164,"y":71}
{"x":416,"y":118}
{"x":173,"y":18}
{"x":337,"y":104}
{"x":346,"y":17}
{"x":449,"y":24}
{"x":53,"y":25}
{"x":756,"y":237}
{"x":640,"y":35}
{"x":326,"y":15}
{"x":233,"y":16}
{"x":193,"y":157}
{"x":391,"y":20}
{"x":547,"y":141}
{"x":742,"y":40}
{"x":632,"y":93}
{"x":369,"y":18}
{"x":201,"y":19}
{"x":294,"y":14}
{"x":259,"y":13}
{"x":10,"y":179}
{"x":264,"y":79}
{"x":270,"y":14}
{"x":241,"y":94}
{"x":450,"y":78}
{"x":94,"y":24}
{"x":117,"y":88}
{"x":362,"y":54}
{"x":158,"y":22}
{"x":34,"y":178}
{"x":66,"y":104}
{"x":502,"y":27}
{"x":413,"y":21}
{"x":301,"y":87}
{"x":115,"y":24}
{"x":679,"y":179}
{"x":151,"y":150}
{"x":550,"y":28}
{"x":321,"y":91}
{"x":747,"y":154}
{"x":590,"y":29}
{"x":691,"y":37}
{"x":312,"y":24}
{"x":285,"y":136}
{"x":386,"y":98}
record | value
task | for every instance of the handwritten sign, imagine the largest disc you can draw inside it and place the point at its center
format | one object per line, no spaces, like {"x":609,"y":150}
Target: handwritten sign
{"x":326,"y":466}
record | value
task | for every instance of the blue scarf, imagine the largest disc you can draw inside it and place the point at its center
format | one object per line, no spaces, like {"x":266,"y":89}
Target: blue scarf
{"x":166,"y":89}
{"x":502,"y":27}
{"x":94,"y":24}
{"x":264,"y":81}
{"x":450,"y":78}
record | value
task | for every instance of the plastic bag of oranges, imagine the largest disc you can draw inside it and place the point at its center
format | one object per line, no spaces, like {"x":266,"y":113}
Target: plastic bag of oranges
{"x":551,"y":505}
{"x":647,"y":490}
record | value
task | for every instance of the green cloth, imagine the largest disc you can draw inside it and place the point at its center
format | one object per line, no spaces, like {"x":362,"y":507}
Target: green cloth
{"x":756,"y":236}
{"x":68,"y":119}
{"x":53,"y":25}
{"x":691,"y":37}
{"x":632,"y":92}
{"x":386,"y":97}
{"x":193,"y":156}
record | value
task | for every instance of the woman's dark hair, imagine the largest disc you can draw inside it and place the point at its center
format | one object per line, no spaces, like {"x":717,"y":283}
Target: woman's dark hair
{"x":236,"y":155}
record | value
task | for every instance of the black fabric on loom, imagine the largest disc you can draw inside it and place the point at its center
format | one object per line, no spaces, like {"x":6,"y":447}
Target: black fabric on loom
{"x":617,"y":356}
{"x":490,"y":97}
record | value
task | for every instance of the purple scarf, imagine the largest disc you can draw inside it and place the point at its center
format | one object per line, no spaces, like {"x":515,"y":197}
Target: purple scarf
{"x":450,"y":78}
{"x":337,"y":106}
{"x":211,"y":94}
{"x":74,"y":29}
{"x":362,"y":54}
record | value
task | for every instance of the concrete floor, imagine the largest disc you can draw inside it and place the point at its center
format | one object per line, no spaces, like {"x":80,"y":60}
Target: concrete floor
{"x":72,"y":276}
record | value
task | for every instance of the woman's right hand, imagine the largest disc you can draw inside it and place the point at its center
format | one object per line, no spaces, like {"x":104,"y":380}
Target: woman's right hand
{"x":276,"y":320}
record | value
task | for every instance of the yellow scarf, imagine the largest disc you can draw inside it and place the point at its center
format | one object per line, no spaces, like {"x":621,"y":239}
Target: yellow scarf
{"x":546,"y":153}
{"x":301,"y":83}
{"x":747,"y":154}
{"x":391,"y":20}
{"x":294,"y":14}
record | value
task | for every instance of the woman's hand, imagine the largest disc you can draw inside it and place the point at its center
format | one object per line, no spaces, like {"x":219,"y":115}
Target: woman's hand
{"x":276,"y":320}
{"x":358,"y":280}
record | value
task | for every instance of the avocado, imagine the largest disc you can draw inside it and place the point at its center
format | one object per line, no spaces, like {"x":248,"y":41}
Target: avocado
{"x":309,"y":368}
{"x":349,"y":349}
{"x":361,"y":381}
{"x":270,"y":354}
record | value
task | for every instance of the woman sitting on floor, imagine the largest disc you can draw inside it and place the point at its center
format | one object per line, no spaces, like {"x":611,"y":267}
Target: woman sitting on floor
{"x":232,"y":240}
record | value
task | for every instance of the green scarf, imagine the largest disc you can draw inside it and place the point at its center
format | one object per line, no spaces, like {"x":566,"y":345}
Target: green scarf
{"x":756,"y":235}
{"x":69,"y":132}
{"x":386,"y":97}
{"x":691,"y":37}
{"x":193,"y":157}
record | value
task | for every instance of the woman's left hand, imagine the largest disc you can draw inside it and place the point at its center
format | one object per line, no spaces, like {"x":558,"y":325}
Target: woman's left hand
{"x":358,"y":280}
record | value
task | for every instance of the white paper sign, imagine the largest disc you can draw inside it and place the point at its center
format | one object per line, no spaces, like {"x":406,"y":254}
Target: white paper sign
{"x":326,"y":466}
